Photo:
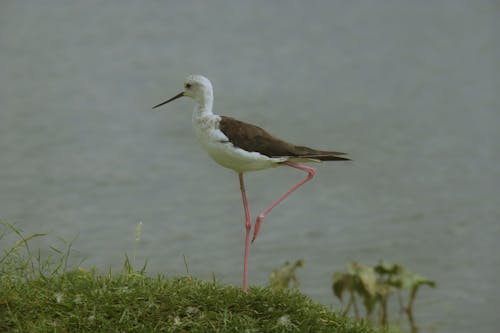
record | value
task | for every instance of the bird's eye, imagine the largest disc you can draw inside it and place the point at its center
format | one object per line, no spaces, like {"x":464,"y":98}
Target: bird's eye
{"x":188,"y":85}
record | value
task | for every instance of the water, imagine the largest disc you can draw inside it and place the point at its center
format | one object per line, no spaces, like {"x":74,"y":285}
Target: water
{"x":409,"y":89}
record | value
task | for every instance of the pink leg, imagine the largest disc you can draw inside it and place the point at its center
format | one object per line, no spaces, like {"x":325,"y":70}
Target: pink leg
{"x":248,"y":226}
{"x":310,"y":174}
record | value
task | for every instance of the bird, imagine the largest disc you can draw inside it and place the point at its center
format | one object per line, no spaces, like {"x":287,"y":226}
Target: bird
{"x":244,"y":147}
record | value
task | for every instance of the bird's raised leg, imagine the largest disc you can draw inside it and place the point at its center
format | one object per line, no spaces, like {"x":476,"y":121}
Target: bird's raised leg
{"x":310,"y":174}
{"x":248,"y":227}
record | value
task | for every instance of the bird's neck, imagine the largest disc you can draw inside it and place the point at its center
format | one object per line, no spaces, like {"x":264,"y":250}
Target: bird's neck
{"x":204,"y":106}
{"x":204,"y":122}
{"x":204,"y":119}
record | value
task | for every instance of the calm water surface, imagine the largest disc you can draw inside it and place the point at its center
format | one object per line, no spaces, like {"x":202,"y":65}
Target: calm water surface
{"x":409,"y":89}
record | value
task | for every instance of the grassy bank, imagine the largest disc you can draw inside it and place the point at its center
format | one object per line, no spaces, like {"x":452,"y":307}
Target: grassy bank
{"x":82,"y":301}
{"x":43,"y":295}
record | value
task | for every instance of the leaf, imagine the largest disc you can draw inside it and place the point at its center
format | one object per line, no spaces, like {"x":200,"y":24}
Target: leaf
{"x":367,"y":277}
{"x":384,"y":268}
{"x":280,"y":278}
{"x":419,"y":280}
{"x":409,"y":280}
{"x":342,"y":282}
{"x":383,"y":290}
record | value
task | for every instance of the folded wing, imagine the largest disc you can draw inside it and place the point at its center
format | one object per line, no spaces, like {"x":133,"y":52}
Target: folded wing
{"x":255,"y":139}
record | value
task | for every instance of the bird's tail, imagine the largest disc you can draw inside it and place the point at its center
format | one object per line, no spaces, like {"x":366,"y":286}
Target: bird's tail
{"x":318,"y":155}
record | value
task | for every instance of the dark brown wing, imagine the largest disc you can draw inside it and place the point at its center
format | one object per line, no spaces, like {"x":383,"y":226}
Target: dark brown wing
{"x":255,"y":139}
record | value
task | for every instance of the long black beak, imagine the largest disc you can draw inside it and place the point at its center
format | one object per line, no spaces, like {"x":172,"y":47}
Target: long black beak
{"x":169,"y":100}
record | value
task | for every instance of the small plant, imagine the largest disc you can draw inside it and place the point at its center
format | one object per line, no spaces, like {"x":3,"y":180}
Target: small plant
{"x":280,"y":278}
{"x":400,"y":278}
{"x":19,"y":259}
{"x":374,"y":285}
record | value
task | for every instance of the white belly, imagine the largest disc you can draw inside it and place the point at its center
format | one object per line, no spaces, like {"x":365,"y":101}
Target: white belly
{"x":223,"y":152}
{"x":239,"y":160}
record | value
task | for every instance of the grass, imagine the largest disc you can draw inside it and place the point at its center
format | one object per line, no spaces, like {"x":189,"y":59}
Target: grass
{"x":34,"y":298}
{"x":86,"y":302}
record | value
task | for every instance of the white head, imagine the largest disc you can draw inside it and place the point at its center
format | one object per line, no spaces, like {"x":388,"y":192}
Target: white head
{"x":198,"y":88}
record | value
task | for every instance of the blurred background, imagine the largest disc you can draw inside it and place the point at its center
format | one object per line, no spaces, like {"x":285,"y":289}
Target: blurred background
{"x":408,"y":88}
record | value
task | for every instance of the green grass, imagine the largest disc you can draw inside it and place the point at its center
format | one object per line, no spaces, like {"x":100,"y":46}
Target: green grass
{"x":87,"y":302}
{"x":41,"y":295}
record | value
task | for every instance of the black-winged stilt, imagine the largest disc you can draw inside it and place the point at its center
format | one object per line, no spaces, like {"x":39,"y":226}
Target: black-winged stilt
{"x":244,"y":147}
